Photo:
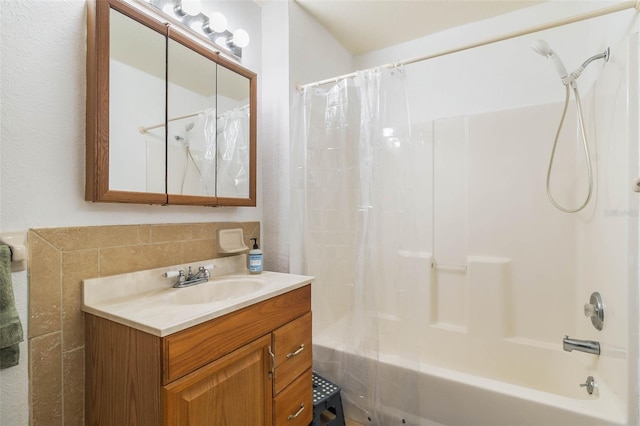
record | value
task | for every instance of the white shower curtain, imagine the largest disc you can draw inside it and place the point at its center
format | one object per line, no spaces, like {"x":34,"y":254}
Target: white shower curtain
{"x":233,"y":153}
{"x":208,"y":173}
{"x":355,"y":189}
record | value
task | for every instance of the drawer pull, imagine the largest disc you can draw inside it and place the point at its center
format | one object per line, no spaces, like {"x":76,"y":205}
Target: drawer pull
{"x":292,"y":354}
{"x":293,"y":416}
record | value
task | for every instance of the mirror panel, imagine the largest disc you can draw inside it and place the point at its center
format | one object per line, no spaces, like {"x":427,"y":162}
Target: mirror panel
{"x":137,"y":57}
{"x":191,"y":127}
{"x":234,"y":113}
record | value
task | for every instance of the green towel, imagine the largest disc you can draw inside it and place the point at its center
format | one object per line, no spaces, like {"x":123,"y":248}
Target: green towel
{"x":10,"y":326}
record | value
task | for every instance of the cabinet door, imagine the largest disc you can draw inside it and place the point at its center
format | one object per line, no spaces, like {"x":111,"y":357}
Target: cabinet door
{"x":231,"y":391}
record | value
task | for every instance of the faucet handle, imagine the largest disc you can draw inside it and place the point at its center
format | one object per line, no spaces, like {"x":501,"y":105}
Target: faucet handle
{"x":590,"y":384}
{"x":171,"y":274}
{"x":590,"y":310}
{"x":595,"y":310}
{"x":180,"y":274}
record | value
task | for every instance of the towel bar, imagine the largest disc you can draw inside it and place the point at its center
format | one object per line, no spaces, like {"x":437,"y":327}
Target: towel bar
{"x":16,"y":242}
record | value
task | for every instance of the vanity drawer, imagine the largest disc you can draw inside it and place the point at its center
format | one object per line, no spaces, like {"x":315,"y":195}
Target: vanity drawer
{"x":292,"y":347}
{"x":295,"y":399}
{"x":188,"y":350}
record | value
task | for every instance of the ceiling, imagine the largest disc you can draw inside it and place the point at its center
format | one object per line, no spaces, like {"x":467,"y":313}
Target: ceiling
{"x":363,"y":26}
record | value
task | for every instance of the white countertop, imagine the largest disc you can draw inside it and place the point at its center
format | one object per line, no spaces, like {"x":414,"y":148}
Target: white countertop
{"x":146,"y":301}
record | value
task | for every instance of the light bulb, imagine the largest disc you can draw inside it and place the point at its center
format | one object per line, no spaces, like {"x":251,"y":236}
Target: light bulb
{"x":221,"y":41}
{"x":168,"y":9}
{"x":240,"y":38}
{"x":191,"y":7}
{"x":217,"y":22}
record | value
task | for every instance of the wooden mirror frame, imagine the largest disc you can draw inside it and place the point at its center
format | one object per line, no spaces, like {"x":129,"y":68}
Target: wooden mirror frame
{"x":97,"y":114}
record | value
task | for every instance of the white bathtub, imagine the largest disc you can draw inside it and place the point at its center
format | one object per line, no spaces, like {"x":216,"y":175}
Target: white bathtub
{"x":545,"y":393}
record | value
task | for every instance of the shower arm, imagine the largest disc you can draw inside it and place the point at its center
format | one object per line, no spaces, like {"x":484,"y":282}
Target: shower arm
{"x":571,"y":78}
{"x":604,"y":55}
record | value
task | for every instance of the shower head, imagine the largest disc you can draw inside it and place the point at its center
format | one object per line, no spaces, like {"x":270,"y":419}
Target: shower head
{"x":543,"y":48}
{"x":185,"y":139}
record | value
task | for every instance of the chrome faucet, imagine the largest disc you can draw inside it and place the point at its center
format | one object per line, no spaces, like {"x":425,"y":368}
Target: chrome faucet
{"x":588,"y":346}
{"x":189,"y":278}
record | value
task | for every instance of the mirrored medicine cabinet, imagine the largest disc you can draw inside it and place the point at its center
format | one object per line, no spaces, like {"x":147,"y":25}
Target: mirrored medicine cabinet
{"x":169,"y":121}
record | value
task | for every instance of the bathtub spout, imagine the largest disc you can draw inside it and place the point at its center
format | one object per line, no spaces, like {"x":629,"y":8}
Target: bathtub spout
{"x":588,"y":346}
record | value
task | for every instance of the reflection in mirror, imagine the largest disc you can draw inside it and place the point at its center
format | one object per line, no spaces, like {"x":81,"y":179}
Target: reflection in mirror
{"x":233,"y":134}
{"x":191,"y":127}
{"x":136,"y":96}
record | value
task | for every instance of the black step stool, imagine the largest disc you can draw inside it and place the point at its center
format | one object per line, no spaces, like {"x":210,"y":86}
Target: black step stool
{"x":326,"y":397}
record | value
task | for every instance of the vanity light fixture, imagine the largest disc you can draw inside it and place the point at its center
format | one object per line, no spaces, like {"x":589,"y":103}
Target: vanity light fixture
{"x":211,"y":26}
{"x":191,"y":7}
{"x":240,"y":38}
{"x":217,"y":23}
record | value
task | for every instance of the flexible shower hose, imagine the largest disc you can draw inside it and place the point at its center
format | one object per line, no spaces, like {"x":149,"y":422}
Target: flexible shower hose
{"x":584,"y":145}
{"x":186,"y":164}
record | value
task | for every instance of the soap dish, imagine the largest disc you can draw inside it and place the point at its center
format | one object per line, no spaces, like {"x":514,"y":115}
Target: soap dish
{"x":231,"y":241}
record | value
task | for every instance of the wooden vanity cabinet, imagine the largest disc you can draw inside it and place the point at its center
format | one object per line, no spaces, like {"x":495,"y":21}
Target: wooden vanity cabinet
{"x":232,"y":370}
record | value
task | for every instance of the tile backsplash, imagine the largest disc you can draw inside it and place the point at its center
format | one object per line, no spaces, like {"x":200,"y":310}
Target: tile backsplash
{"x":59,"y":259}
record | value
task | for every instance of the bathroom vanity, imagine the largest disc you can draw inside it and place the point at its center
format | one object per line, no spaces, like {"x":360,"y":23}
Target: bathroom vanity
{"x":245,"y":360}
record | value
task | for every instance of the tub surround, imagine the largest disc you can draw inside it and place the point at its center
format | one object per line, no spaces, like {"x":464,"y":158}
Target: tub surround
{"x":59,"y":259}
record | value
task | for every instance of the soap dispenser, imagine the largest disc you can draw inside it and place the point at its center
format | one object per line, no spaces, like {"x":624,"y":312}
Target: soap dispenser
{"x":255,"y":258}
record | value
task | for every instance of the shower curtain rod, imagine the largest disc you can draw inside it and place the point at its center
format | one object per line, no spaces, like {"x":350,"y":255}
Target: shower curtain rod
{"x":155,"y":126}
{"x":632,"y":4}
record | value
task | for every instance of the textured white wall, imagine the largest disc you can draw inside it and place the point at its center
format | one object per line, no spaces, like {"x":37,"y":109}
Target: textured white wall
{"x":42,"y":141}
{"x":315,"y":53}
{"x":275,"y":79}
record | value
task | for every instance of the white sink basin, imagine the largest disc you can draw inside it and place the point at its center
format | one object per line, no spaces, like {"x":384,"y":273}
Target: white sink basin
{"x":216,"y":291}
{"x":147,"y":301}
